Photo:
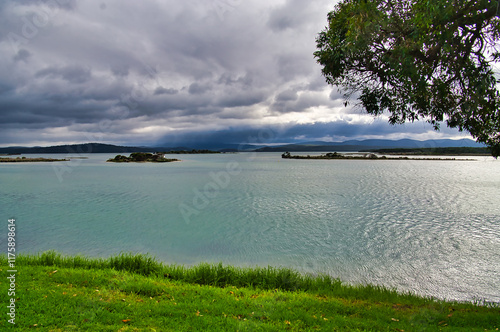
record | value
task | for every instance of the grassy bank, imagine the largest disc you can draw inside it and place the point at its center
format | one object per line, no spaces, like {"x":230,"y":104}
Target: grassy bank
{"x":137,"y":293}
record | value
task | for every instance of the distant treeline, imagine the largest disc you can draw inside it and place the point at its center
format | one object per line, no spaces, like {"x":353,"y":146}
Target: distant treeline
{"x":190,"y":151}
{"x":29,"y":160}
{"x":434,"y":151}
{"x":331,"y":155}
{"x":74,"y":148}
{"x":96,"y":148}
{"x":366,"y":156}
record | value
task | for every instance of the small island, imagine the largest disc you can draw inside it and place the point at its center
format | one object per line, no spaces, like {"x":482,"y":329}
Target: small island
{"x":366,"y":156}
{"x":330,"y":155}
{"x":29,"y":160}
{"x":142,"y":157}
{"x":446,"y":151}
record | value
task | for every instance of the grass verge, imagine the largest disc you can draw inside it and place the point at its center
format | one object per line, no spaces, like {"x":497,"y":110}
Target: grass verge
{"x":137,"y":293}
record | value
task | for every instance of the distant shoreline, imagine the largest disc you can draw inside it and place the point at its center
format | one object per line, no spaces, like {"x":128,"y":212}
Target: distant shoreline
{"x":29,"y":160}
{"x":366,"y":156}
{"x":224,"y":147}
{"x":447,"y":151}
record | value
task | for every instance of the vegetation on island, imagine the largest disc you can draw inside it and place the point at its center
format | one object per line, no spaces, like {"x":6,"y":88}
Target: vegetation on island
{"x":137,"y":293}
{"x":418,"y":60}
{"x":330,"y":155}
{"x":366,"y":156}
{"x":141,"y":157}
{"x":28,"y":160}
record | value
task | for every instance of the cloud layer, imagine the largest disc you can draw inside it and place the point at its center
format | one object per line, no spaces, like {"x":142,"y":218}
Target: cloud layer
{"x":158,"y":72}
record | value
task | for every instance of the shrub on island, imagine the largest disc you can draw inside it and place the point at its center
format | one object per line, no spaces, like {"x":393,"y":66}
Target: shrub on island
{"x":142,"y":157}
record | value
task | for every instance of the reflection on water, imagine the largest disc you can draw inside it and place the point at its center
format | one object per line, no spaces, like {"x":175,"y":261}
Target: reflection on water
{"x":430,"y":227}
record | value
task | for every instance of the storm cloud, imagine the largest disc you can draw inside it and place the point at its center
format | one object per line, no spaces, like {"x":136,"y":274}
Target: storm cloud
{"x":161,"y":72}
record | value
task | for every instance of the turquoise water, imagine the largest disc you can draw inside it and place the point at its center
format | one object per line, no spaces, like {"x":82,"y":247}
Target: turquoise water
{"x":429,"y":227}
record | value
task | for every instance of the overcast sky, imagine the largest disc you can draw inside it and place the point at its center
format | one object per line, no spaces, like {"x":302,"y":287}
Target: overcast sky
{"x":169,"y":72}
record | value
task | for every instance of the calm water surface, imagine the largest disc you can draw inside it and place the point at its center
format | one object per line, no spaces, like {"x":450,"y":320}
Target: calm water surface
{"x":429,"y":227}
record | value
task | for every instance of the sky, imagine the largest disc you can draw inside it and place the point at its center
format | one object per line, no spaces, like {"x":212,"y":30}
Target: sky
{"x":171,"y":73}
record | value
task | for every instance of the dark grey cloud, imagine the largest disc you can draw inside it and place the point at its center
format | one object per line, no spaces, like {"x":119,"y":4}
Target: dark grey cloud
{"x":242,"y":81}
{"x":240,"y":99}
{"x":72,"y":73}
{"x":293,"y":14}
{"x":290,"y":94}
{"x":161,"y":90}
{"x":198,"y":89}
{"x":121,"y":70}
{"x":54,"y":4}
{"x":22,"y":55}
{"x":293,"y":133}
{"x":138,"y":72}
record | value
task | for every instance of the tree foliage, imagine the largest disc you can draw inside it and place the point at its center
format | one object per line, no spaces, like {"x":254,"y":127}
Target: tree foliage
{"x":418,"y":59}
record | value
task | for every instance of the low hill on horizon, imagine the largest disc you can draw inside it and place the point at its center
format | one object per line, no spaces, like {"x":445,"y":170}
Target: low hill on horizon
{"x":350,"y":145}
{"x":355,"y":145}
{"x":85,"y":148}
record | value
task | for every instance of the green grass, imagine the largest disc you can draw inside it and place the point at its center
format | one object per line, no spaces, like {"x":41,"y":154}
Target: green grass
{"x":137,"y":293}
